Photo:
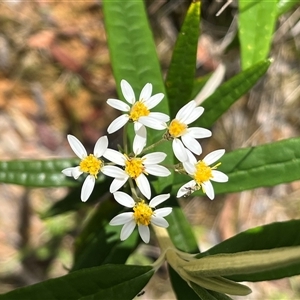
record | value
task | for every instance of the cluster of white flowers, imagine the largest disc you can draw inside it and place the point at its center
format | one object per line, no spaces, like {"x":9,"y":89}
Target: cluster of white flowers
{"x":135,"y":167}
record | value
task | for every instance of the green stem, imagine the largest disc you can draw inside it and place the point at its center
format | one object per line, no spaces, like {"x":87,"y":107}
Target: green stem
{"x":153,"y":145}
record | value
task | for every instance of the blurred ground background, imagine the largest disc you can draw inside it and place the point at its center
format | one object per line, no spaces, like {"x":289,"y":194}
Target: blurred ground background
{"x":55,"y":77}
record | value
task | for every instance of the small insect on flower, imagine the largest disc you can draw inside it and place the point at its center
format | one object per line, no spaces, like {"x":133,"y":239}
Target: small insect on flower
{"x":143,"y":215}
{"x":202,"y":174}
{"x":182,"y":135}
{"x":137,"y":112}
{"x":90,"y":164}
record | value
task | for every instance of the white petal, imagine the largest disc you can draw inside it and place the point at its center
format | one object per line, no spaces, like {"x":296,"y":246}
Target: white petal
{"x":161,"y":117}
{"x":144,"y":186}
{"x":121,"y":219}
{"x":191,"y":157}
{"x":185,"y":188}
{"x":118,"y":104}
{"x":127,"y":230}
{"x":146,"y":92}
{"x":101,"y":146}
{"x":208,"y":189}
{"x":76,"y":146}
{"x":158,"y":221}
{"x":185,"y":111}
{"x":127,"y":91}
{"x":157,"y":170}
{"x":144,"y":232}
{"x":87,"y":188}
{"x":115,"y":156}
{"x":124,"y":199}
{"x":76,"y":172}
{"x":68,"y":171}
{"x":219,"y":176}
{"x":163,"y":212}
{"x":152,"y":123}
{"x":117,"y":123}
{"x":195,"y":114}
{"x":140,"y":140}
{"x":191,"y":144}
{"x":154,"y":158}
{"x":113,"y":171}
{"x":179,"y":150}
{"x":158,"y":200}
{"x":199,"y":132}
{"x":117,"y":184}
{"x":189,"y":167}
{"x":213,"y":156}
{"x":154,"y":100}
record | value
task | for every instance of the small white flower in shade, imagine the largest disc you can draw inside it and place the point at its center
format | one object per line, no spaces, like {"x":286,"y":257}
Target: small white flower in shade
{"x":138,"y":112}
{"x":202,"y":174}
{"x":182,"y":135}
{"x":143,"y":215}
{"x":135,"y":167}
{"x":91,"y":164}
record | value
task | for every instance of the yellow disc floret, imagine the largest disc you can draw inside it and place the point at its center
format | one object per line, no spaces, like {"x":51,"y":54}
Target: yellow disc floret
{"x":91,"y":164}
{"x":177,"y":128}
{"x":142,"y":213}
{"x":139,"y":109}
{"x":203,"y":172}
{"x":134,"y":167}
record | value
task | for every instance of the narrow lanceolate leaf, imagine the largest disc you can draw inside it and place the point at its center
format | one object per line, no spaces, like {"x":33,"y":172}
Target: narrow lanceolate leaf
{"x":284,"y":6}
{"x":253,"y":167}
{"x":181,"y":73}
{"x":255,"y":28}
{"x":229,"y":92}
{"x":243,"y":262}
{"x":208,"y":294}
{"x":180,"y":231}
{"x":267,"y":237}
{"x":105,"y":282}
{"x":37,"y":173}
{"x":133,"y":56}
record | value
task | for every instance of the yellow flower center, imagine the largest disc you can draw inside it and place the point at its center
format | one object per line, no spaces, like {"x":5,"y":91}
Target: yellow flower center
{"x":203,"y":172}
{"x":134,"y":167}
{"x":177,"y":128}
{"x":139,"y":109}
{"x":91,"y":164}
{"x":142,"y":213}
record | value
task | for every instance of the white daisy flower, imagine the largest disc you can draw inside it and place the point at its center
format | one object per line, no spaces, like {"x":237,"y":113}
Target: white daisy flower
{"x":202,"y":174}
{"x":138,"y":111}
{"x":91,"y":164}
{"x":143,"y":215}
{"x":182,"y":135}
{"x":135,"y":167}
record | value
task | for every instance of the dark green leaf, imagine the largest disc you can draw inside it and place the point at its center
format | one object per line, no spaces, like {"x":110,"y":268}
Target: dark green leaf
{"x":37,"y":173}
{"x":105,"y":282}
{"x":207,"y":294}
{"x":181,"y":73}
{"x":275,"y":235}
{"x":180,"y":231}
{"x":229,"y":92}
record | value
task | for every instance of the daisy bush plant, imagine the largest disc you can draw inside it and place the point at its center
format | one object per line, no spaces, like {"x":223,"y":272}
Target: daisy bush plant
{"x":161,"y":156}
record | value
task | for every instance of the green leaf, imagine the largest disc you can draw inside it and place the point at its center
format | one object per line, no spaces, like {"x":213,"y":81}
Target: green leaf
{"x":256,"y":26}
{"x":37,"y":173}
{"x":180,"y":287}
{"x":181,"y":73}
{"x":99,"y":243}
{"x":105,"y":282}
{"x":224,"y":96}
{"x":253,"y":167}
{"x":133,"y":56}
{"x":180,"y":231}
{"x":275,"y":235}
{"x":72,"y":200}
{"x":207,"y":294}
{"x":283,"y":6}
